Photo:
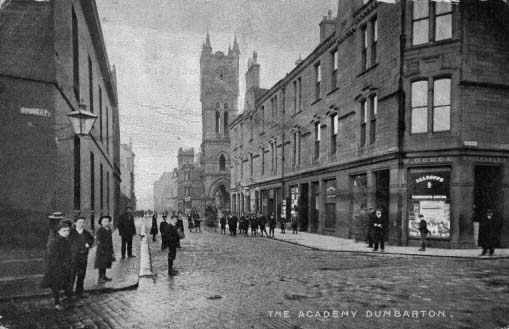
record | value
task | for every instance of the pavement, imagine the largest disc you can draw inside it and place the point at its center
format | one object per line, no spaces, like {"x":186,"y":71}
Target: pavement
{"x":124,"y":272}
{"x":331,"y":243}
{"x":252,"y":282}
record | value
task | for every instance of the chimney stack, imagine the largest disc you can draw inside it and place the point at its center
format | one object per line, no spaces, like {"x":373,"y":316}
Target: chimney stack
{"x":327,"y":26}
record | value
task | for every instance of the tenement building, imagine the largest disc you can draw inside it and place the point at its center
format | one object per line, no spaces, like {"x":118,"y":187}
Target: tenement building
{"x":166,"y":192}
{"x":53,"y":60}
{"x":127,"y":195}
{"x":400,"y":106}
{"x":219,"y":98}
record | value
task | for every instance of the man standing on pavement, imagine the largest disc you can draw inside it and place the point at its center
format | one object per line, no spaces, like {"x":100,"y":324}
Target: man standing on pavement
{"x":222,"y":222}
{"x":81,"y":241}
{"x":127,"y":230}
{"x":173,"y":240}
{"x":379,"y":225}
{"x":262,"y":221}
{"x":163,"y":228}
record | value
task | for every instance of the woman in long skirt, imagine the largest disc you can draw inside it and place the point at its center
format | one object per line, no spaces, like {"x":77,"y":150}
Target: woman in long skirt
{"x":153,"y":229}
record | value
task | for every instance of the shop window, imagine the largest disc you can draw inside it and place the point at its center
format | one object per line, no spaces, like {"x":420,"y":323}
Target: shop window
{"x":441,"y":105}
{"x":419,"y":105}
{"x":429,"y":195}
{"x":330,"y":204}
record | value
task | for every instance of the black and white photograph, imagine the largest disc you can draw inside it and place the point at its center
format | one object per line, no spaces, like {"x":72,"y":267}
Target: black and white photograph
{"x":252,"y":164}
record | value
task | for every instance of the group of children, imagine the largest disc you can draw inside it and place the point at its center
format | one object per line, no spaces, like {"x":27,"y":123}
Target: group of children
{"x":256,"y":222}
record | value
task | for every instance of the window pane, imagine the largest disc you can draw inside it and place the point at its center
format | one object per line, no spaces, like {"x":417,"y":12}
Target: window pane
{"x":375,"y":31}
{"x":365,"y":37}
{"x":317,"y":132}
{"x":442,"y":118}
{"x":419,"y":93}
{"x":442,"y":92}
{"x":420,"y":32}
{"x":421,"y":8}
{"x":443,"y":7}
{"x":443,"y":27}
{"x":419,"y":120}
{"x":336,"y":124}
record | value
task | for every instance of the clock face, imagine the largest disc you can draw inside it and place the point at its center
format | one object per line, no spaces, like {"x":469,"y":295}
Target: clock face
{"x":221,"y":73}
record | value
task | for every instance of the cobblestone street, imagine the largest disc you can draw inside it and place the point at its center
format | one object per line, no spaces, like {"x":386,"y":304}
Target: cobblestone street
{"x":245,"y":282}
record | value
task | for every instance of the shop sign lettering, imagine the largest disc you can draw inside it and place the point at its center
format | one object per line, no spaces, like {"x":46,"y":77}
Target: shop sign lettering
{"x":35,"y":111}
{"x":429,"y":177}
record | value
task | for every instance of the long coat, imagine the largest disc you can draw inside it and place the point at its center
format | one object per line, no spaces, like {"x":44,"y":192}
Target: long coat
{"x":153,"y":229}
{"x":126,"y":226}
{"x":379,"y":227}
{"x":489,"y":231}
{"x":104,"y":253}
{"x":59,"y":264}
{"x":173,"y":240}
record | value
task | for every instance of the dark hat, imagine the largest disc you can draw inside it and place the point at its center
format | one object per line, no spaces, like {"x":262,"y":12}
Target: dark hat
{"x":56,"y":215}
{"x":78,"y":218}
{"x":421,"y":216}
{"x":104,"y":217}
{"x":64,"y":223}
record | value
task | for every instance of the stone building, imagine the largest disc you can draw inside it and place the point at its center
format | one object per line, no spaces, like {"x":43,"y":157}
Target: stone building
{"x":219,"y":98}
{"x":53,"y":58}
{"x":189,"y":181}
{"x":400,"y":106}
{"x":127,"y":195}
{"x":166,"y":192}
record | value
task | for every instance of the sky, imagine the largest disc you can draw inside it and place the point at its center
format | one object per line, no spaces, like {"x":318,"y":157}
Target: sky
{"x":155,"y":46}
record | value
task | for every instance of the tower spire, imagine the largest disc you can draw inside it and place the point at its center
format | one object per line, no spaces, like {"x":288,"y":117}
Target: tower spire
{"x":207,"y":47}
{"x":236,"y":49}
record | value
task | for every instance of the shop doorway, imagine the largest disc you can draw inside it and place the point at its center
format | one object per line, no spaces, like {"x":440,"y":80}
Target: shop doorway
{"x":304,"y":207}
{"x":487,"y":189}
{"x":315,"y":202}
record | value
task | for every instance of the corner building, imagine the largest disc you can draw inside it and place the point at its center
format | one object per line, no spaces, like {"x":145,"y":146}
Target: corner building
{"x":401,"y":106}
{"x":53,"y":58}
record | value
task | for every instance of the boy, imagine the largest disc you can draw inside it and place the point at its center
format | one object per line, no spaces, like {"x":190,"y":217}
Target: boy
{"x":172,"y":243}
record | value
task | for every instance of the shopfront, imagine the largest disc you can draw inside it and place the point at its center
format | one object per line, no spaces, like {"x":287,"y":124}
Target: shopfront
{"x":429,"y":194}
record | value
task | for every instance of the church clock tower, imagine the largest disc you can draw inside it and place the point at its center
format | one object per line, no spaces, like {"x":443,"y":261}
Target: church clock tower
{"x":219,"y":99}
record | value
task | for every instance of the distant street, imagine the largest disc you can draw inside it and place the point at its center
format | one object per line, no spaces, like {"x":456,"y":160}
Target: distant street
{"x":245,"y":282}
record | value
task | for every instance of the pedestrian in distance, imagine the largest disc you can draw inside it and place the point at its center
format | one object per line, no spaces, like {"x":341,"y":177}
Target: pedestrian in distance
{"x":370,"y":229}
{"x":197,"y":221}
{"x":59,"y":264}
{"x":105,"y":255}
{"x":190,"y":223}
{"x":81,"y":242}
{"x":423,"y":230}
{"x":173,"y":240}
{"x":282,"y":223}
{"x":127,"y":230}
{"x":254,"y":225}
{"x":153,"y":228}
{"x":235,"y":222}
{"x":163,"y":228}
{"x":262,"y":222}
{"x":489,"y":229}
{"x":272,"y":224}
{"x":179,"y":225}
{"x":295,"y":224}
{"x":222,"y":222}
{"x":379,"y":225}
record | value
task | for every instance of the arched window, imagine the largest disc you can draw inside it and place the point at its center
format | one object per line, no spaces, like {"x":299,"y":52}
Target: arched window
{"x":218,"y":122}
{"x":226,"y":106}
{"x":225,"y":122}
{"x":222,"y":163}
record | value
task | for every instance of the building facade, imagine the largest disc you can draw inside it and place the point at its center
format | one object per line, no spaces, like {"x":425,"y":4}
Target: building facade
{"x":395,"y":108}
{"x":53,"y":58}
{"x":189,"y":181}
{"x":219,"y":98}
{"x":127,"y":195}
{"x":166,"y":192}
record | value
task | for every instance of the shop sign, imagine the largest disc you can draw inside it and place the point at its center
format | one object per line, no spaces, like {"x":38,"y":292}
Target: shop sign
{"x":428,"y":160}
{"x":331,"y":189}
{"x":35,"y":111}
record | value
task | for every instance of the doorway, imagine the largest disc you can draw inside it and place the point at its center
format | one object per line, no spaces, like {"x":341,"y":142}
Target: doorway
{"x":487,"y":189}
{"x":304,"y":207}
{"x":315,"y":204}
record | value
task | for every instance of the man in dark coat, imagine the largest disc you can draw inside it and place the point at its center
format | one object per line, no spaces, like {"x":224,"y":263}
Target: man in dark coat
{"x":489,"y":228}
{"x":379,"y":226}
{"x":153,"y":228}
{"x":104,"y":253}
{"x":370,"y":229}
{"x":81,"y":242}
{"x":222,"y":222}
{"x":235,"y":221}
{"x":179,"y":225}
{"x":127,"y":230}
{"x":197,"y":221}
{"x":272,"y":224}
{"x":423,"y":229}
{"x":163,"y":228}
{"x":262,"y":221}
{"x":173,"y":240}
{"x":59,"y":264}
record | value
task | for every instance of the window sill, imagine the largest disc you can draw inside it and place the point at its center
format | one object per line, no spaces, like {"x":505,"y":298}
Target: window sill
{"x":372,"y":67}
{"x":296,"y":113}
{"x":333,"y":91}
{"x":431,"y":133}
{"x":262,"y":132}
{"x":316,"y":101}
{"x":431,"y":44}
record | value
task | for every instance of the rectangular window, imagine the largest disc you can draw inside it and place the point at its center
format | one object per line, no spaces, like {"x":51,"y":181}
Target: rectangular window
{"x":334,"y":127}
{"x":77,"y":173}
{"x":108,"y":191}
{"x":101,"y":186}
{"x":443,"y":20}
{"x":299,"y":99}
{"x":373,"y":109}
{"x":442,"y":105}
{"x":251,"y":127}
{"x":374,"y":41}
{"x":299,"y":147}
{"x":364,"y":49}
{"x":263,"y":161}
{"x":100,"y":113}
{"x":317,"y":140}
{"x":334,"y":65}
{"x":419,"y":105}
{"x":364,"y":118}
{"x":75,"y":56}
{"x":294,"y":149}
{"x":420,"y":22}
{"x":318,"y":79}
{"x":91,"y":86}
{"x":108,"y":130}
{"x":92,"y":181}
{"x":295,"y":96}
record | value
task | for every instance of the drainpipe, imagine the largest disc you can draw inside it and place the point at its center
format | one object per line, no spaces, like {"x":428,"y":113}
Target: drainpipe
{"x":401,"y":120}
{"x":283,"y":127}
